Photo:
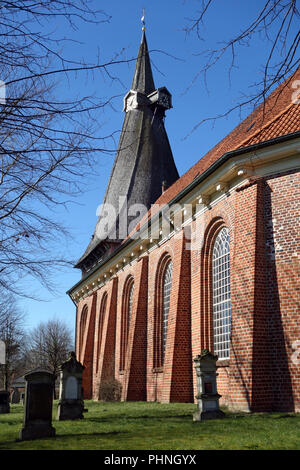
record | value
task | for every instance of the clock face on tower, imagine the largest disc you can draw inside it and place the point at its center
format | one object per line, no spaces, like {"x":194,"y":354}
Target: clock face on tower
{"x":164,"y":100}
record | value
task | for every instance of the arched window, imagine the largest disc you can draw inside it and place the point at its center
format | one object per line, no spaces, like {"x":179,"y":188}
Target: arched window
{"x":130,"y":298}
{"x":100,"y":324}
{"x":126,"y":318}
{"x":82,"y":326}
{"x":221,"y":303}
{"x":162,"y":306}
{"x":167,"y":285}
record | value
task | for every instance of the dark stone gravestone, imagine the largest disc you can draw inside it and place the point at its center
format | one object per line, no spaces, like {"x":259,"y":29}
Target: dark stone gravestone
{"x":4,"y":401}
{"x":207,"y":396}
{"x":71,"y":404}
{"x":15,"y":396}
{"x":38,"y":405}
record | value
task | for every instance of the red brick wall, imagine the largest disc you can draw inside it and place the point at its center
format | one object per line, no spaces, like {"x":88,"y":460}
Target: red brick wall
{"x":86,"y":354}
{"x":123,"y":276}
{"x":205,"y":229}
{"x":282,"y":214}
{"x":249,"y":385}
{"x":134,"y":384}
{"x":105,"y":358}
{"x":173,"y":381}
{"x":263,"y":222}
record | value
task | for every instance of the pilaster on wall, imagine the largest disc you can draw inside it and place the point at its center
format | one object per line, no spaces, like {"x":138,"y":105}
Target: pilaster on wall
{"x":282,"y":214}
{"x":134,"y":383}
{"x":177,"y":369}
{"x":249,"y":378}
{"x":85,"y":354}
{"x":104,"y":363}
{"x":182,"y":382}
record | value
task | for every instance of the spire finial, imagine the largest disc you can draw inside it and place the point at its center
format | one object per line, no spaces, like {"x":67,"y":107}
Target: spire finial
{"x":143,"y":20}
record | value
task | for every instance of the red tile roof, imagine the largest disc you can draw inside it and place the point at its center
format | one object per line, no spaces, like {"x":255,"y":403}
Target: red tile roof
{"x":287,"y":122}
{"x":277,"y":117}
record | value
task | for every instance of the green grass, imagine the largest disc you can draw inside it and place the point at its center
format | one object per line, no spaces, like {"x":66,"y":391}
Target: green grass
{"x":155,"y":426}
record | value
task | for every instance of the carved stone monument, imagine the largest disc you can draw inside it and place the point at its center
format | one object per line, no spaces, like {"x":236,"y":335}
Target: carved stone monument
{"x":38,"y":405}
{"x":207,"y":396}
{"x":71,"y":404}
{"x":4,"y":401}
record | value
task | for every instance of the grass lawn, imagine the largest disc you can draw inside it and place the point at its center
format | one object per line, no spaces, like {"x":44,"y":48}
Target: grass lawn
{"x":155,"y":426}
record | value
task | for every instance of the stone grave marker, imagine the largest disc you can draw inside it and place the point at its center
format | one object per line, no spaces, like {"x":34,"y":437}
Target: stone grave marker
{"x":71,"y":404}
{"x":15,"y":396}
{"x":4,"y":401}
{"x":38,"y":405}
{"x":207,"y":396}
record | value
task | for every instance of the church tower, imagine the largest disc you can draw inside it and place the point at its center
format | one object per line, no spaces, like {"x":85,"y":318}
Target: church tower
{"x":143,"y":167}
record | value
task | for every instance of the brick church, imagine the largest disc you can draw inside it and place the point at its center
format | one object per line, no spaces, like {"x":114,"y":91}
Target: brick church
{"x":208,"y":260}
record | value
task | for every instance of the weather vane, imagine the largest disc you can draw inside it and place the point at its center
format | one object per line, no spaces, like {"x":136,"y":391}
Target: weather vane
{"x":143,"y":20}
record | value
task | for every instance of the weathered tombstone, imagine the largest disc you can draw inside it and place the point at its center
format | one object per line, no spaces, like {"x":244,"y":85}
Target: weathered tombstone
{"x":2,"y":352}
{"x":4,"y":401}
{"x":207,"y":396}
{"x":71,"y":404}
{"x":15,"y":396}
{"x":38,"y":405}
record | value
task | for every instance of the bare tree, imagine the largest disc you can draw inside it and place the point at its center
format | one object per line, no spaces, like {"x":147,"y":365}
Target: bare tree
{"x":275,"y":22}
{"x":47,"y":144}
{"x":13,"y":334}
{"x":48,"y":345}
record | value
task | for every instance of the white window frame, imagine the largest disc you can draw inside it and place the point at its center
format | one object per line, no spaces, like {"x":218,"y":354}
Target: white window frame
{"x":166,"y":297}
{"x":221,"y":297}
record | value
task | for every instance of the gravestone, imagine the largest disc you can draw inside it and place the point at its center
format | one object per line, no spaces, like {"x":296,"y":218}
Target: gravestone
{"x":15,"y":396}
{"x":207,"y":396}
{"x":71,"y":404}
{"x":4,"y":401}
{"x":38,"y":405}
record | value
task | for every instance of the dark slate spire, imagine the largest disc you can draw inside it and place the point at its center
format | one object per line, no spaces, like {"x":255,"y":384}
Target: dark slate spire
{"x":143,"y":78}
{"x":143,"y":164}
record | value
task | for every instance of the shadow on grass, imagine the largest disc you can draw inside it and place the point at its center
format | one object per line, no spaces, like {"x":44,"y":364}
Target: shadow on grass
{"x":286,"y":416}
{"x":109,"y":418}
{"x":83,"y":435}
{"x":12,"y":422}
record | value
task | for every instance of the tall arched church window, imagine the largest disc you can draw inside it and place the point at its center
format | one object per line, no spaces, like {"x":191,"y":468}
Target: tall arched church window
{"x":166,"y":294}
{"x":221,"y":301}
{"x":130,"y":298}
{"x":100,"y":325}
{"x":127,"y":304}
{"x":161,"y":312}
{"x":82,"y":325}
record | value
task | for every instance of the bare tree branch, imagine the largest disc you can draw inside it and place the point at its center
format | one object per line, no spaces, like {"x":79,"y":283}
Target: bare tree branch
{"x":273,"y":22}
{"x":48,"y":146}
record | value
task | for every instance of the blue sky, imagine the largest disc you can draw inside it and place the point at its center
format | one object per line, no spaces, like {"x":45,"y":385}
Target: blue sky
{"x":176,"y":62}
